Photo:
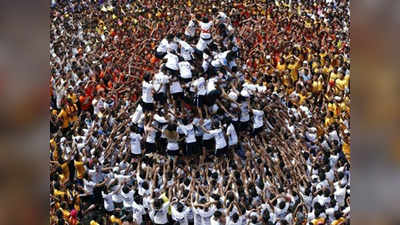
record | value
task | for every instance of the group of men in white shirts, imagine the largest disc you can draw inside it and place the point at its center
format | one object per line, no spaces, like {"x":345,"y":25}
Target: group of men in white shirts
{"x":198,"y":92}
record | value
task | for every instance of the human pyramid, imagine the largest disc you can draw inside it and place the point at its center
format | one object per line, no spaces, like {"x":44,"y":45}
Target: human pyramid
{"x":198,"y":103}
{"x":211,"y":138}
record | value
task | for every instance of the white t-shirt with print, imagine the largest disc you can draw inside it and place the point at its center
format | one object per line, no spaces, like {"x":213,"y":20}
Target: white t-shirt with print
{"x":185,"y":69}
{"x":205,"y":29}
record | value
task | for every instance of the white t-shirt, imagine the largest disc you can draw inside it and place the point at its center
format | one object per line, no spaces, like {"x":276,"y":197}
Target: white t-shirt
{"x":232,"y":136}
{"x":244,"y":112}
{"x":136,"y":116}
{"x":200,"y":84}
{"x":188,"y":130}
{"x":180,"y":217}
{"x":220,"y":141}
{"x":135,"y":143}
{"x":258,"y":118}
{"x":163,"y":46}
{"x":185,"y":69}
{"x":147,"y":92}
{"x":186,"y":50}
{"x":175,"y":86}
{"x":220,"y":59}
{"x":207,"y":125}
{"x":127,"y":198}
{"x":340,"y":195}
{"x":172,"y":61}
{"x":160,"y":216}
{"x":205,"y":29}
{"x":88,"y":186}
{"x":190,"y":29}
{"x":138,"y":212}
{"x":108,"y":202}
{"x":206,"y":215}
{"x":238,"y":222}
{"x":151,"y":135}
{"x":201,"y":44}
{"x":159,"y":82}
{"x":211,"y":84}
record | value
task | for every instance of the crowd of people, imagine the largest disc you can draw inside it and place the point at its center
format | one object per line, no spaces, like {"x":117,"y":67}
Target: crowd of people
{"x":199,"y":112}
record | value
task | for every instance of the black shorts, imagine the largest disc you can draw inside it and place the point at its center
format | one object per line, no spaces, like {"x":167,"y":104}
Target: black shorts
{"x":185,"y":80}
{"x":160,"y":97}
{"x":244,"y":126}
{"x":173,"y":72}
{"x":173,"y":153}
{"x":258,"y":130}
{"x":208,"y":144}
{"x":136,"y":156}
{"x":177,"y":96}
{"x":221,"y":152}
{"x":147,"y":106}
{"x":199,"y":100}
{"x":212,"y":97}
{"x":191,"y":148}
{"x":150,"y":147}
{"x":160,"y":55}
{"x":162,"y":145}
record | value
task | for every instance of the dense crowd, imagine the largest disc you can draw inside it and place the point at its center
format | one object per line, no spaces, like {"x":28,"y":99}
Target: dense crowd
{"x":203,"y":112}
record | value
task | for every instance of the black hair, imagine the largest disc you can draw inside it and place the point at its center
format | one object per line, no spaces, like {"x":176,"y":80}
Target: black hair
{"x":146,"y":77}
{"x":179,"y":207}
{"x":282,"y":205}
{"x":217,"y":214}
{"x":145,"y":185}
{"x":170,"y":37}
{"x":158,"y":203}
{"x":235,"y":217}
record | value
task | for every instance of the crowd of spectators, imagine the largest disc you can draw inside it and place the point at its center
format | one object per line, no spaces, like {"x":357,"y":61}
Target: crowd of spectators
{"x":199,"y":112}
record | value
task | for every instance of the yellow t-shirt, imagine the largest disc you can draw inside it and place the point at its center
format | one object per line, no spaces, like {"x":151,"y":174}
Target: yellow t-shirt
{"x":327,"y":70}
{"x":73,"y":97}
{"x":64,"y":117}
{"x":281,"y":67}
{"x":347,"y":79}
{"x":92,"y":222}
{"x":346,"y":150}
{"x":316,"y":86}
{"x":336,"y":222}
{"x":340,"y":84}
{"x":65,"y":213}
{"x":329,"y":121}
{"x":114,"y":219}
{"x":332,"y":107}
{"x":80,"y":169}
{"x":293,"y":71}
{"x":65,"y":171}
{"x":58,"y":193}
{"x":333,"y":76}
{"x":285,"y":80}
{"x":318,"y":221}
{"x":302,"y":99}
